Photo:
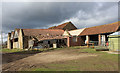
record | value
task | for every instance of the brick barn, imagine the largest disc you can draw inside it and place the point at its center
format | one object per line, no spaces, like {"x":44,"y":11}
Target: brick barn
{"x":97,"y":34}
{"x":44,"y":38}
{"x":65,"y":34}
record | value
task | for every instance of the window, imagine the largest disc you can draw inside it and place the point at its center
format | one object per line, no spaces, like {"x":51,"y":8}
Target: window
{"x":48,"y":42}
{"x":16,"y":40}
{"x":16,"y":34}
{"x":75,"y":39}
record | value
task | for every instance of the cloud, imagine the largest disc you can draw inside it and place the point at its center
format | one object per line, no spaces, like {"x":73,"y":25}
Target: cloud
{"x":45,"y":14}
{"x":34,"y":15}
{"x":104,"y":13}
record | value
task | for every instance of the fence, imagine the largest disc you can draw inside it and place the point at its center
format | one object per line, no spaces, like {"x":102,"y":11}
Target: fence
{"x":104,"y":44}
{"x":111,"y":45}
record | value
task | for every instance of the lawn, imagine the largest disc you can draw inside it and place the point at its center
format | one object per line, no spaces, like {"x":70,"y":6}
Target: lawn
{"x":5,"y":50}
{"x":15,"y":50}
{"x":103,"y":62}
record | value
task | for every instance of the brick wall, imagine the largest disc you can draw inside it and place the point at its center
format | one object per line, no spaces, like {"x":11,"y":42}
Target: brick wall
{"x":71,"y":42}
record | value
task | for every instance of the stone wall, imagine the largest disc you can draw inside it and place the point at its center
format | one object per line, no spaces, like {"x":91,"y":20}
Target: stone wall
{"x":9,"y":41}
{"x":20,"y":39}
{"x":15,"y":45}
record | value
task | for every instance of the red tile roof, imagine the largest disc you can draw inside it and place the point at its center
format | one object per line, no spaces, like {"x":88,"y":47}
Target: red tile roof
{"x":108,"y":28}
{"x":52,"y":27}
{"x":59,"y":26}
{"x":41,"y":34}
{"x":49,"y":37}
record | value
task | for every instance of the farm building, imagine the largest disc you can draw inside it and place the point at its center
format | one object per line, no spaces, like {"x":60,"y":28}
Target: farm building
{"x":44,"y":38}
{"x":62,"y":35}
{"x":73,"y":38}
{"x":114,"y":41}
{"x":96,"y":35}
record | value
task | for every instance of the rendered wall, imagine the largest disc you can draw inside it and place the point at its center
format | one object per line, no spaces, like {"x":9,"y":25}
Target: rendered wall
{"x":20,"y":39}
{"x":114,"y":43}
{"x":8,"y":42}
{"x":15,"y":45}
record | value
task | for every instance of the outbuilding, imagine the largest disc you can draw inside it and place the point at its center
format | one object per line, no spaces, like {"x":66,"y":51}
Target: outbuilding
{"x":114,"y":41}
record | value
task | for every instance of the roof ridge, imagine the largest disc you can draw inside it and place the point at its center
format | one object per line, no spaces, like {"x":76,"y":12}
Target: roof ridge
{"x":45,"y":29}
{"x":78,"y":29}
{"x":107,"y":28}
{"x":63,"y":24}
{"x":60,"y":26}
{"x":104,"y":25}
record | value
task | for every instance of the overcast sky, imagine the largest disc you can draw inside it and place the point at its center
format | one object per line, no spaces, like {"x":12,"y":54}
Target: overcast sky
{"x":39,"y":15}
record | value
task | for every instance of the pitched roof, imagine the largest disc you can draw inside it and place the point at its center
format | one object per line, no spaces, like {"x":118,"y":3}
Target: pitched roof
{"x":66,"y":33}
{"x":34,"y":32}
{"x":40,"y":38}
{"x":59,"y":26}
{"x":73,"y":32}
{"x":108,"y":28}
{"x":17,"y":29}
{"x":62,"y":25}
{"x":41,"y":34}
{"x":52,"y":27}
{"x":76,"y":32}
{"x":115,"y":33}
